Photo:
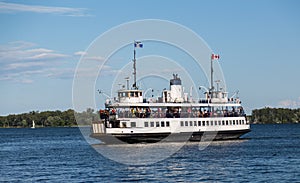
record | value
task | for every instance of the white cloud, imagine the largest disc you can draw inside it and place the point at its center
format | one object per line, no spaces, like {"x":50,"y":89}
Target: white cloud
{"x":80,"y":53}
{"x":14,"y":8}
{"x":288,"y":103}
{"x":22,"y":51}
{"x":94,"y":58}
{"x":19,"y":61}
{"x":23,"y":65}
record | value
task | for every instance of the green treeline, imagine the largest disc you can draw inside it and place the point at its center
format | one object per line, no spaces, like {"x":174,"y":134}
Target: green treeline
{"x":275,"y":115}
{"x":71,"y":118}
{"x":49,"y":118}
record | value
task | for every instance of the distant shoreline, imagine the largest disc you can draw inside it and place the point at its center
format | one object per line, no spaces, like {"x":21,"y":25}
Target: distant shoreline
{"x":88,"y":126}
{"x":67,"y":118}
{"x":38,"y":127}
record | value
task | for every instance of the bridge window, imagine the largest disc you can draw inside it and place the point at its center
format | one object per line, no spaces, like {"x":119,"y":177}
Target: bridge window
{"x":131,"y":94}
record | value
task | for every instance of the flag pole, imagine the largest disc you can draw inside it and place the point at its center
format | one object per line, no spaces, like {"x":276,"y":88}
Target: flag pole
{"x":134,"y":66}
{"x":211,"y":73}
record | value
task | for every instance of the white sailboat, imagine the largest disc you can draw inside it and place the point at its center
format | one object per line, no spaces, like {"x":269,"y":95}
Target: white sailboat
{"x":33,"y":124}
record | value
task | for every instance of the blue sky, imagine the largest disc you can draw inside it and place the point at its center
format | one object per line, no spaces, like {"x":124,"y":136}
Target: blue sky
{"x":41,"y":43}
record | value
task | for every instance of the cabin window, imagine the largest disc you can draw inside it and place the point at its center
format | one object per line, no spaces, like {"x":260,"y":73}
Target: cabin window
{"x":167,"y":123}
{"x":230,"y":122}
{"x":233,"y":122}
{"x":219,"y":122}
{"x":226,"y":122}
{"x":223,"y":122}
{"x":243,"y":122}
{"x":211,"y":123}
{"x":207,"y":123}
{"x":195,"y":123}
{"x":136,"y":94}
{"x":240,"y":122}
{"x":181,"y":123}
{"x":162,"y":124}
{"x":199,"y":123}
{"x":191,"y":123}
{"x":216,"y":123}
{"x":133,"y":124}
{"x":146,"y":124}
{"x":124,"y":124}
{"x":131,"y":94}
{"x":157,"y":124}
{"x":203,"y":123}
{"x":152,"y":124}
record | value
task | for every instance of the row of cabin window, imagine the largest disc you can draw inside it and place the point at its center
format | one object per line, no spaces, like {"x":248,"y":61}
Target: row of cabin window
{"x":157,"y":124}
{"x":130,"y":94}
{"x":212,"y":123}
{"x":191,"y":123}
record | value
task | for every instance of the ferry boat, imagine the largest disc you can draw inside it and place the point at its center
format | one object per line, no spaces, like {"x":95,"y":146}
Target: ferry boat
{"x":173,"y":117}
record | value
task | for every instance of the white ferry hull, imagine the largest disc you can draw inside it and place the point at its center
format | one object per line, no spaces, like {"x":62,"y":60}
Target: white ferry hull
{"x":169,"y":137}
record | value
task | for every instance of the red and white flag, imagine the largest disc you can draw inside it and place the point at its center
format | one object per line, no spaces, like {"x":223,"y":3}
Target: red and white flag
{"x":215,"y":57}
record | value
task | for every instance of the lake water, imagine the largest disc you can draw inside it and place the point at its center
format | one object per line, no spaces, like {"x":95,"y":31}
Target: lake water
{"x":269,"y":153}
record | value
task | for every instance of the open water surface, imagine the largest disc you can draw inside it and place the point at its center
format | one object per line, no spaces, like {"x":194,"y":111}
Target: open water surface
{"x":269,"y":153}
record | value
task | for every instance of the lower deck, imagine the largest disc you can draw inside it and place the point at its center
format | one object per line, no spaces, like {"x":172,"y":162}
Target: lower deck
{"x":133,"y":130}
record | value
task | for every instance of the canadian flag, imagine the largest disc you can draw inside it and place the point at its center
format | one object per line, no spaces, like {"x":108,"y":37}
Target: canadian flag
{"x":215,"y":57}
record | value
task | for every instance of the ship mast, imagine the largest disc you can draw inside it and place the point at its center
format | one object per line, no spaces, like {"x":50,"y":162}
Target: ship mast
{"x":211,"y":73}
{"x":212,"y":58}
{"x":137,"y":44}
{"x":134,"y":68}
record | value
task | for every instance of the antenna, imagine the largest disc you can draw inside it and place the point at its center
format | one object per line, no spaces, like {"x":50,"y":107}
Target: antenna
{"x":127,"y":82}
{"x":218,"y":84}
{"x":101,"y":92}
{"x":191,"y":93}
